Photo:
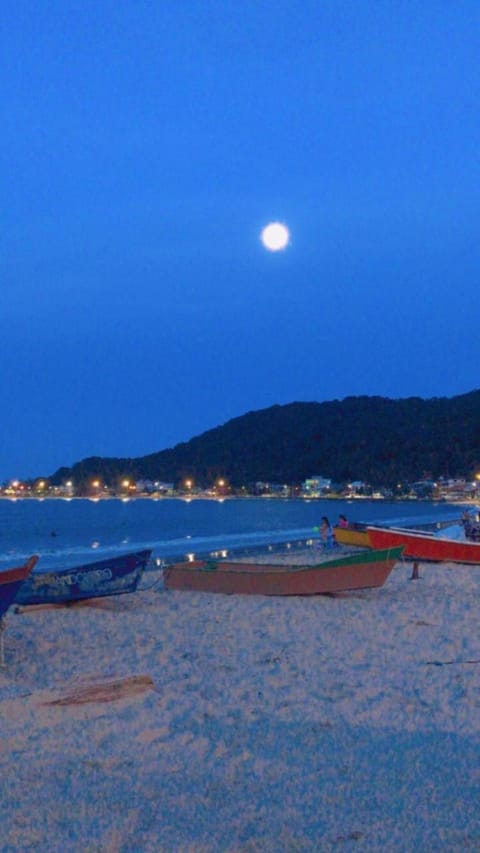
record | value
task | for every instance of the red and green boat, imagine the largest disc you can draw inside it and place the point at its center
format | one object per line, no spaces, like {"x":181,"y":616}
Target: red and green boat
{"x":358,"y":571}
{"x":11,"y":580}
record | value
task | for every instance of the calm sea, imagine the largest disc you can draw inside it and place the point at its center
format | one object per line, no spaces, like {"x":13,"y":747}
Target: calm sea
{"x":68,"y":533}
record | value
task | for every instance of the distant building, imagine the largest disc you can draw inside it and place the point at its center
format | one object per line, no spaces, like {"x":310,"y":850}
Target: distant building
{"x":277,"y":489}
{"x":149,"y":487}
{"x":423,"y":488}
{"x":357,"y":487}
{"x":455,"y":489}
{"x":316,"y":485}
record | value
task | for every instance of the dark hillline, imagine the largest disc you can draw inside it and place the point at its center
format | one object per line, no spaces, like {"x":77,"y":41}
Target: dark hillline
{"x":375,"y":439}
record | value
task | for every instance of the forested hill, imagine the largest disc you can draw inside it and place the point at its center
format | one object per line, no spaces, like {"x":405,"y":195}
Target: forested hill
{"x":378,"y":440}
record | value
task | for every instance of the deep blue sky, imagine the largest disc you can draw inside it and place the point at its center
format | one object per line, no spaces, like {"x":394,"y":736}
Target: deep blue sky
{"x":145,"y":145}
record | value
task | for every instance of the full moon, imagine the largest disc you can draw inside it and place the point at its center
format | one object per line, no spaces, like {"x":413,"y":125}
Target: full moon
{"x":275,"y":236}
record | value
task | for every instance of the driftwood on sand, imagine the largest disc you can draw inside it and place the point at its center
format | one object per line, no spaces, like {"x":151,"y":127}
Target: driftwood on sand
{"x":105,"y":691}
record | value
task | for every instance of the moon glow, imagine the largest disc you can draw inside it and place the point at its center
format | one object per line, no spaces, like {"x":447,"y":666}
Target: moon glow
{"x":275,"y":236}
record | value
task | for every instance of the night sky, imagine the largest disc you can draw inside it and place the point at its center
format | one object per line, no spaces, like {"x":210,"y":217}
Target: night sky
{"x":144,"y":147}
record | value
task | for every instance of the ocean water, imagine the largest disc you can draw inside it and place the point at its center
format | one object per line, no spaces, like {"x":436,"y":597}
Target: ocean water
{"x":67,"y":533}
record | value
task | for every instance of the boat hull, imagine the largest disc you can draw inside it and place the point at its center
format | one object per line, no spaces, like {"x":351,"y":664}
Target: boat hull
{"x":357,"y":571}
{"x":113,"y":576}
{"x":11,"y":581}
{"x":419,"y":546}
{"x":356,"y":536}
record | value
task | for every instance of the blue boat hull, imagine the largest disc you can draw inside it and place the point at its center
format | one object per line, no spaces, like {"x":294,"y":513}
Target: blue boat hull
{"x":113,"y":576}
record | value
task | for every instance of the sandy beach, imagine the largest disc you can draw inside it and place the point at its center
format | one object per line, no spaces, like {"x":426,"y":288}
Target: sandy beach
{"x":173,"y":721}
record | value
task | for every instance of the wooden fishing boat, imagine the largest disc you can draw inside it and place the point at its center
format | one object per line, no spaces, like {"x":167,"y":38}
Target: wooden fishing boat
{"x":112,"y":576}
{"x":355,"y":534}
{"x":357,"y":571}
{"x":11,"y":580}
{"x":420,"y":545}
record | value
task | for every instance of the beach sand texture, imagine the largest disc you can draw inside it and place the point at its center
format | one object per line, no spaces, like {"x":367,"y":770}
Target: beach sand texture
{"x":190,"y":722}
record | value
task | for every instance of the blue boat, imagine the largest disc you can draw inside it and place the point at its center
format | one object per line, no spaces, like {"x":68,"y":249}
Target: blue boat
{"x":11,"y":581}
{"x":113,"y":576}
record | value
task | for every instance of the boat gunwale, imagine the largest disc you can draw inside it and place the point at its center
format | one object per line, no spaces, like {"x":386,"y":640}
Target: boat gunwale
{"x":420,"y":534}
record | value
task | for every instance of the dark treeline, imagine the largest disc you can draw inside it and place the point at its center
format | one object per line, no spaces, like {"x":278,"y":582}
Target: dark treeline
{"x":374,"y":439}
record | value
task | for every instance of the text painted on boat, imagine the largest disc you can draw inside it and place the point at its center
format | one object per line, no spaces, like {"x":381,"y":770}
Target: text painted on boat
{"x":95,"y":576}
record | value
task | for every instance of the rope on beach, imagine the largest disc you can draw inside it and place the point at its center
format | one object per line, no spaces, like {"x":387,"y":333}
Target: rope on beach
{"x":158,"y":582}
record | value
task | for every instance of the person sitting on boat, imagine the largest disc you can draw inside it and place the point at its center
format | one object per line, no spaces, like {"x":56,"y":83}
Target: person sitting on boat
{"x":471,"y":527}
{"x":342,"y":521}
{"x":326,"y":533}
